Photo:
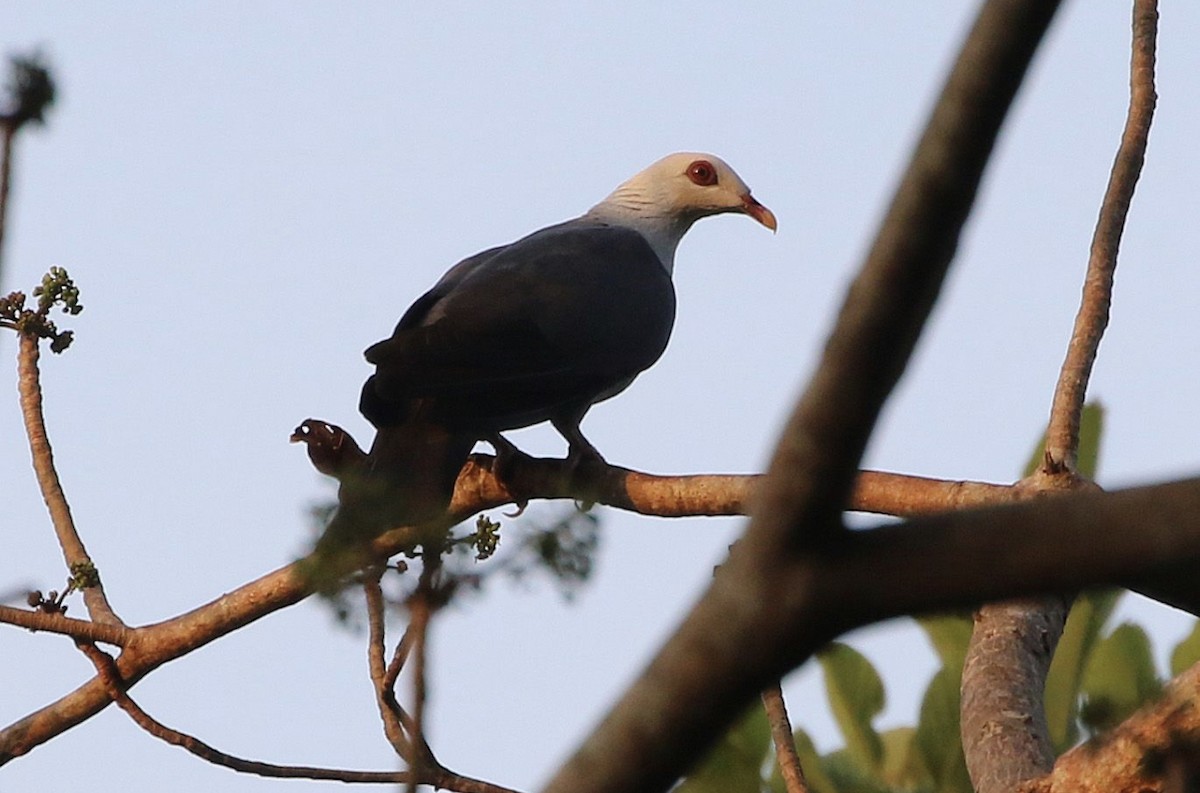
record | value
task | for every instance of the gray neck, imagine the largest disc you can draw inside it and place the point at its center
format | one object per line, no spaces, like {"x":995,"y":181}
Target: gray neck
{"x":663,"y":232}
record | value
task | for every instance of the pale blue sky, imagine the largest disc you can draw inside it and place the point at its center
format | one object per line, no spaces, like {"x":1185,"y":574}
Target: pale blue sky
{"x":248,"y":195}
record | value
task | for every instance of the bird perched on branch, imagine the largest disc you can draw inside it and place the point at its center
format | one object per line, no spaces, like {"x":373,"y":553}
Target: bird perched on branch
{"x":537,"y":330}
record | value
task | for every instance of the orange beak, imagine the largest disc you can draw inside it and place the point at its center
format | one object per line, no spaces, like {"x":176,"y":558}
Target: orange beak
{"x":759,"y":212}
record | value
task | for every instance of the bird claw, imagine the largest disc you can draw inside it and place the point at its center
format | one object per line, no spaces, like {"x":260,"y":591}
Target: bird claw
{"x":507,"y":454}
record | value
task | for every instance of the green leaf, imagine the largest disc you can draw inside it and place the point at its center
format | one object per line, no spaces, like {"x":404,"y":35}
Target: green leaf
{"x":938,"y":737}
{"x":851,"y":776}
{"x":949,"y":634}
{"x":1119,"y":678}
{"x":856,"y":697}
{"x":903,"y":765}
{"x":1187,"y":653}
{"x":1088,"y":617}
{"x":1091,"y":426}
{"x":735,"y":764}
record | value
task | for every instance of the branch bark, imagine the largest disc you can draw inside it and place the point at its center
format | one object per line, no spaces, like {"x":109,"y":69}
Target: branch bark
{"x":1062,"y":436}
{"x":705,"y":673}
{"x":1134,"y":757}
{"x":74,"y":552}
{"x":1005,"y":737}
{"x":786,"y":756}
{"x":85,"y":630}
{"x":1004,"y":732}
{"x":930,"y":563}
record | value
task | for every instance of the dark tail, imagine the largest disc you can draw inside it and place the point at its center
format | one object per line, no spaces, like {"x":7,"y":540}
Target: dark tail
{"x":408,"y":479}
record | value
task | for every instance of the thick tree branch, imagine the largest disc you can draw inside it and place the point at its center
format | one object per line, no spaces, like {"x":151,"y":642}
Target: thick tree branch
{"x":1062,"y":437}
{"x":930,"y":563}
{"x":702,"y":676}
{"x":1004,"y":732}
{"x":477,"y":490}
{"x":890,"y":299}
{"x":1134,"y":756}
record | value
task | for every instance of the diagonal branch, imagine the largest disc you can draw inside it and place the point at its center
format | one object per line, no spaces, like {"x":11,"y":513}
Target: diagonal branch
{"x":1062,"y":437}
{"x":892,"y":296}
{"x":436,"y":776}
{"x":785,"y":743}
{"x":680,"y":705}
{"x":110,"y":677}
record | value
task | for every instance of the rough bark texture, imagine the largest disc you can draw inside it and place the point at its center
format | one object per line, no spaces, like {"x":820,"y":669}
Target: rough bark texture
{"x":1158,"y":745}
{"x":1004,"y":733}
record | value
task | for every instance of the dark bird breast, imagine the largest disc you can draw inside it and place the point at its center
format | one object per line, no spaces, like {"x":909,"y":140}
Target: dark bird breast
{"x":523,"y":333}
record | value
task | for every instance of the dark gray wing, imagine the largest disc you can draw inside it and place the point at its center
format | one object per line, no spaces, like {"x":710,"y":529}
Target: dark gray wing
{"x":519,"y":334}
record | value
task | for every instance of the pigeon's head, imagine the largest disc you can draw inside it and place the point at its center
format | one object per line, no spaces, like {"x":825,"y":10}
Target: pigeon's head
{"x":686,"y":187}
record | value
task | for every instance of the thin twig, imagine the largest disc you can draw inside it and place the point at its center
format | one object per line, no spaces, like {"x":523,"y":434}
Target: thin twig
{"x":376,"y":630}
{"x":8,"y":132}
{"x":85,"y":630}
{"x":1062,"y":436}
{"x":437,"y":776}
{"x":785,"y":743}
{"x":76,"y":555}
{"x":420,"y":608}
{"x":396,"y":665}
{"x":114,"y":686}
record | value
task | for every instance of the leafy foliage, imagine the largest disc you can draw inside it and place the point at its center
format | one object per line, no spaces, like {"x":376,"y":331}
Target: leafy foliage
{"x":1119,"y":677}
{"x":735,"y":764}
{"x":856,"y":697}
{"x":57,"y":290}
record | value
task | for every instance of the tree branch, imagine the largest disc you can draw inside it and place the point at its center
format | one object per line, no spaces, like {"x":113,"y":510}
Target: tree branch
{"x":1135,"y":754}
{"x":76,"y":555}
{"x":85,"y":630}
{"x":477,"y":489}
{"x":388,"y":707}
{"x":927,"y":564}
{"x":1005,"y":736}
{"x":1062,"y":437}
{"x":1004,"y":732}
{"x":114,"y":687}
{"x":785,"y":743}
{"x":679,"y":706}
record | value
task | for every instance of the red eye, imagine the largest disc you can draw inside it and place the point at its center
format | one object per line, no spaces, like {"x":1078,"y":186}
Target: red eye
{"x":702,"y":172}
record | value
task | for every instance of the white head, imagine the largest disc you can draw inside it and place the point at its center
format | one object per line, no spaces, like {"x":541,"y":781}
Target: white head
{"x":663,"y":201}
